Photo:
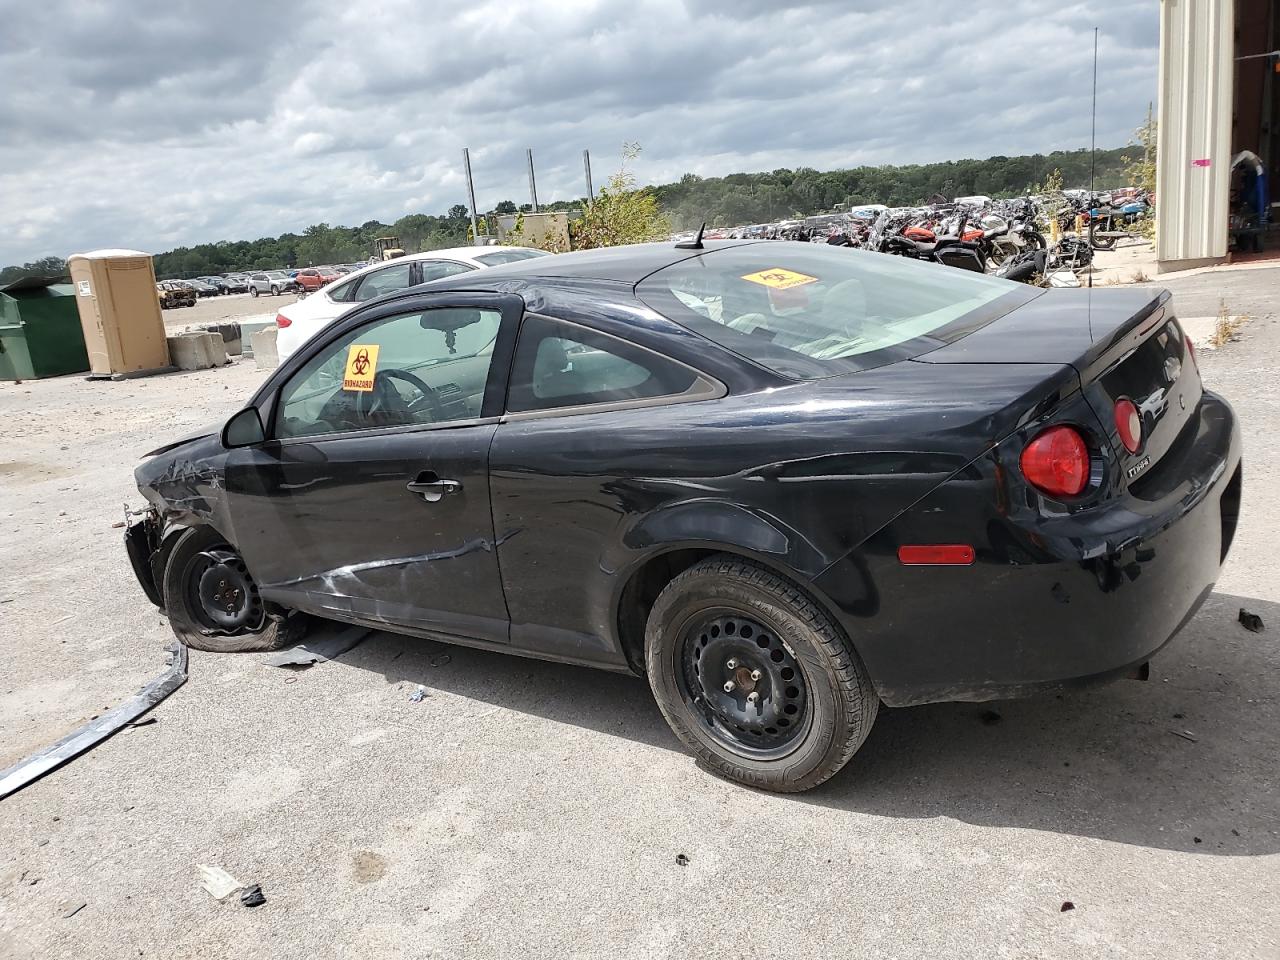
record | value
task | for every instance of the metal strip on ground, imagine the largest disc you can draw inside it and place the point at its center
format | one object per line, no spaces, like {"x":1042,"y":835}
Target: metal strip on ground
{"x":95,"y":731}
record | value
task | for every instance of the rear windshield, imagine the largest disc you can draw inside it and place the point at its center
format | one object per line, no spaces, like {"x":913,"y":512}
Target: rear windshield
{"x":808,"y":311}
{"x":499,"y":257}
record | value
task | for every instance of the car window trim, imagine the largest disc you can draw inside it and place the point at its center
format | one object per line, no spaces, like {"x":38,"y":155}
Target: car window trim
{"x":704,"y":386}
{"x":372,"y":432}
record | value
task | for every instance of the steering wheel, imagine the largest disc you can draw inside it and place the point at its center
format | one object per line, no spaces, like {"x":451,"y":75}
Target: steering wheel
{"x":385,"y":399}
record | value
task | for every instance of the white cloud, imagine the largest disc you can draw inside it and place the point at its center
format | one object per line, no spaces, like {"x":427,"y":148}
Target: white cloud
{"x":158,"y":128}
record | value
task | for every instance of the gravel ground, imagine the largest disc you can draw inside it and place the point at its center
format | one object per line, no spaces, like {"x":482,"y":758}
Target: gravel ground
{"x":536,"y":808}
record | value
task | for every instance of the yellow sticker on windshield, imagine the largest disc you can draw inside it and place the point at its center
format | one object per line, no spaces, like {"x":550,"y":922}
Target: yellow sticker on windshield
{"x":780,"y":279}
{"x":362,"y":365}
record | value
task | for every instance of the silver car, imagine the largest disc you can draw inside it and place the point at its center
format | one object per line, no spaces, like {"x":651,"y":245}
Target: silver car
{"x":274,"y":282}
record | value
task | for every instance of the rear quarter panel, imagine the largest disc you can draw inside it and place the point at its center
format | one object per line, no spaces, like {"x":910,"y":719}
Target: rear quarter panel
{"x":795,"y":476}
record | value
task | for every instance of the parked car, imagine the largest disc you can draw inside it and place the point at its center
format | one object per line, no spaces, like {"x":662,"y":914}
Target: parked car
{"x":274,"y":282}
{"x":313,"y":278}
{"x":786,"y":482}
{"x":202,"y":288}
{"x":217,"y":282}
{"x":300,"y":321}
{"x":174,"y":295}
{"x":237,"y":283}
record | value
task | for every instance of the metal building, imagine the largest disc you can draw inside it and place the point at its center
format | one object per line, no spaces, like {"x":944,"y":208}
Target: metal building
{"x":1218,"y":63}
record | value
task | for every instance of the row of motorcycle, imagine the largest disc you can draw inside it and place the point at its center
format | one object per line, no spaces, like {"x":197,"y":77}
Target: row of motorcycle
{"x":1003,"y":237}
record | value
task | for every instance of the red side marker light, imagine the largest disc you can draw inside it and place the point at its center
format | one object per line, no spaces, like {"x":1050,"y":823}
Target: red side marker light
{"x":1129,"y":425}
{"x":936,"y":554}
{"x":282,"y":321}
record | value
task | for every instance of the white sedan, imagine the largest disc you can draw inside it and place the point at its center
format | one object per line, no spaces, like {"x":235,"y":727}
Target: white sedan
{"x":299,"y":322}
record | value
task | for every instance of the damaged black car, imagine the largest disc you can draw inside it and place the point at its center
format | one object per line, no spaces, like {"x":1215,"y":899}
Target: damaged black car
{"x":786,"y":482}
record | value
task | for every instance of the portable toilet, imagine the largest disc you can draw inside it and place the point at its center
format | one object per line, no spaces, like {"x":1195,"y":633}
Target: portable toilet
{"x":119,"y":313}
{"x":40,"y":330}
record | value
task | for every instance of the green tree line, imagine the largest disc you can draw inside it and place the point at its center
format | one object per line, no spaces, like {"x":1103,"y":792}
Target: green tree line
{"x":738,"y":198}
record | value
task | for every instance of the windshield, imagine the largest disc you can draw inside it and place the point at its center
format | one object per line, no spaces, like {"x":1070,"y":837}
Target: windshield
{"x":499,"y":257}
{"x":808,"y":311}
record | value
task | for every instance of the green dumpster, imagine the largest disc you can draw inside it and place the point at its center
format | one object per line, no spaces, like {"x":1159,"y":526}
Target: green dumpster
{"x":40,"y":333}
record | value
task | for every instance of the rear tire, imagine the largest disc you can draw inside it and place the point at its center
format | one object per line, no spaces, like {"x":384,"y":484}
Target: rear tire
{"x":253,"y":291}
{"x":275,"y":291}
{"x":727,"y":622}
{"x":189,"y":577}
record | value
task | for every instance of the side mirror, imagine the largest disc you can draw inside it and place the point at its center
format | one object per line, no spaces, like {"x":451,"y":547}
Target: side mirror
{"x":244,"y":429}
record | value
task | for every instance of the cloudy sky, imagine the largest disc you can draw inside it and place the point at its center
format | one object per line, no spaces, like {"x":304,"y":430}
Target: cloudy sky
{"x":153,"y":124}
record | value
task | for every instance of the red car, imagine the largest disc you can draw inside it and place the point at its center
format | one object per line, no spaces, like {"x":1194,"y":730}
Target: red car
{"x":313,"y":278}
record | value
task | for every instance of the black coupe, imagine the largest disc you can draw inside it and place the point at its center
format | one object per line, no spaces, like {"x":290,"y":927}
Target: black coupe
{"x":787,"y":482}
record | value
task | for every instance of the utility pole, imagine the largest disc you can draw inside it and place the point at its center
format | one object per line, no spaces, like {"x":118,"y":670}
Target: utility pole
{"x":586,"y":166}
{"x":471,"y":193}
{"x":533,"y":184}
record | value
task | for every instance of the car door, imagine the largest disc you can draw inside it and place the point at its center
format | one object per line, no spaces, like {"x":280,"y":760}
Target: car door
{"x":369,"y":501}
{"x":583,"y":413}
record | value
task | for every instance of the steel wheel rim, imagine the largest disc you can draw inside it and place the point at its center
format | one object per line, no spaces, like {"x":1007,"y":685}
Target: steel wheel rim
{"x":723,"y":656}
{"x":221,"y":595}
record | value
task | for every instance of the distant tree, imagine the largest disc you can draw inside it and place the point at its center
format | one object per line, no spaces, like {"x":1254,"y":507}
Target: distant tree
{"x":505,"y":207}
{"x":622,"y":210}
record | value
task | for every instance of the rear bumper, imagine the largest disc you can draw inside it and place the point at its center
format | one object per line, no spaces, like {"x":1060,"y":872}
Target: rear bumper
{"x":1050,"y":601}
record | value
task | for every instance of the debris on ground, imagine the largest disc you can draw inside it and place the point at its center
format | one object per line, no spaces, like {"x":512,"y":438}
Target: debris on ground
{"x":990,"y":718}
{"x":419,"y":695}
{"x":1251,"y":621}
{"x":68,"y":914}
{"x":682,"y":859}
{"x":145,"y":722}
{"x":98,"y":728}
{"x":1066,"y":905}
{"x":1185,"y":735}
{"x":218,"y":883}
{"x":318,"y":649}
{"x":1197,"y":840}
{"x":252,"y":896}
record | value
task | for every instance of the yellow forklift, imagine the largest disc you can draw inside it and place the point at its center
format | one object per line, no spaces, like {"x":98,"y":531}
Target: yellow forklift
{"x":388,"y":248}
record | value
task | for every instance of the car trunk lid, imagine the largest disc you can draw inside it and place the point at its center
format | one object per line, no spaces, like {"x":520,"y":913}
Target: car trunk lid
{"x":1123,"y":344}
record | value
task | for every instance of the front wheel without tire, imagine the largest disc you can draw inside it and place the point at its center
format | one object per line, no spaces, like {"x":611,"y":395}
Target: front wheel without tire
{"x":754,"y":678}
{"x":212,"y":600}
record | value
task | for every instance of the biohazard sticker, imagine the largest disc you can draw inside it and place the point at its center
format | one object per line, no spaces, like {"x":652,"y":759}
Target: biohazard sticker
{"x":362,"y":366}
{"x":780,"y":279}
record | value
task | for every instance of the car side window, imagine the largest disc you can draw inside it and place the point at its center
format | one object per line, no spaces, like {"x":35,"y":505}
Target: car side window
{"x":373,"y":284}
{"x":408,"y":370}
{"x":560,"y":364}
{"x":438,"y":269}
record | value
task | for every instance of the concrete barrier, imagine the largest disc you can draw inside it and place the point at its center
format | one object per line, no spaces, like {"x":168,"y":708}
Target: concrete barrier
{"x":197,"y":351}
{"x":265,"y":355}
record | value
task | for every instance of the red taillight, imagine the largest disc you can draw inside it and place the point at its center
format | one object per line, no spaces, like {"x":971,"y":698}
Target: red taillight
{"x":1129,"y":425}
{"x":945,"y":554}
{"x":1056,"y":462}
{"x":282,"y":321}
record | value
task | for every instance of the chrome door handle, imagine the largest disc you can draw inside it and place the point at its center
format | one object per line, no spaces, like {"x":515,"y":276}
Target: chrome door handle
{"x":431,"y":488}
